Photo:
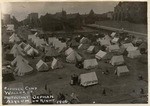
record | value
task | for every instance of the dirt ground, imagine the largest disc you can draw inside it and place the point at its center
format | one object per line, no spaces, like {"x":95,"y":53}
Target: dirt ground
{"x":118,"y":89}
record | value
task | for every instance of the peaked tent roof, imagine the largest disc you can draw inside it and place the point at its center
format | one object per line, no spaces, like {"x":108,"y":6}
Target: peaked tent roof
{"x":113,"y":47}
{"x":85,"y":40}
{"x":104,"y":42}
{"x":10,"y":27}
{"x":121,"y":69}
{"x":117,"y":60}
{"x":14,"y":38}
{"x":114,"y":40}
{"x":22,"y":45}
{"x":28,"y":47}
{"x":23,"y":68}
{"x":30,"y":36}
{"x":83,"y":46}
{"x":107,"y":37}
{"x":52,"y":40}
{"x":126,"y":45}
{"x":41,"y":66}
{"x":100,"y":54}
{"x":59,"y":45}
{"x":91,"y":48}
{"x":134,"y":54}
{"x":68,"y":51}
{"x":88,"y":77}
{"x":56,"y":64}
{"x":18,"y":59}
{"x":131,"y":48}
{"x":113,"y":34}
{"x":16,"y":50}
{"x":90,"y":63}
{"x":32,"y":51}
{"x":73,"y":57}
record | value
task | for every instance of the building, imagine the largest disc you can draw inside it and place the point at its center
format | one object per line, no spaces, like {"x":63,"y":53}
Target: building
{"x":75,"y":20}
{"x":131,"y":11}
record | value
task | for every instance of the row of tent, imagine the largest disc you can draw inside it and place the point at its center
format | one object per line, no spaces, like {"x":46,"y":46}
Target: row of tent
{"x":42,"y":66}
{"x":37,"y":41}
{"x":57,"y":43}
{"x":90,"y":78}
{"x":133,"y":52}
{"x":40,"y":43}
{"x":23,"y":67}
{"x":73,"y":57}
{"x":23,"y":48}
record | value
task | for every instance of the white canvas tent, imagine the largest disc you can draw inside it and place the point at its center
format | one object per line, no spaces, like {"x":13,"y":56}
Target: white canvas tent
{"x":56,"y":64}
{"x":41,"y":66}
{"x":40,"y":42}
{"x":22,"y":45}
{"x":13,"y":35}
{"x":33,"y":37}
{"x":104,"y":42}
{"x":113,"y":48}
{"x":14,"y":38}
{"x":90,"y":63}
{"x":122,"y":70}
{"x":83,"y":46}
{"x":88,"y":79}
{"x":126,"y":45}
{"x":85,"y":40}
{"x":73,"y":57}
{"x":100,"y":54}
{"x":113,"y":34}
{"x":32,"y":51}
{"x":59,"y":45}
{"x":30,"y":37}
{"x":114,"y":40}
{"x":52,"y":40}
{"x":107,"y":37}
{"x":62,"y":46}
{"x":16,"y":50}
{"x":90,"y":49}
{"x":23,"y":68}
{"x":28,"y":47}
{"x":134,"y":54}
{"x":68,"y":51}
{"x":18,"y":59}
{"x":117,"y":60}
{"x":131,"y":48}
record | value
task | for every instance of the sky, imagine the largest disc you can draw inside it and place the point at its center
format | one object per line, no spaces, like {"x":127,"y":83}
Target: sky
{"x":21,"y":9}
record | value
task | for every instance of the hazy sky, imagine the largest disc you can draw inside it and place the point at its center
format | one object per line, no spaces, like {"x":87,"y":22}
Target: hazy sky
{"x":22,"y":9}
